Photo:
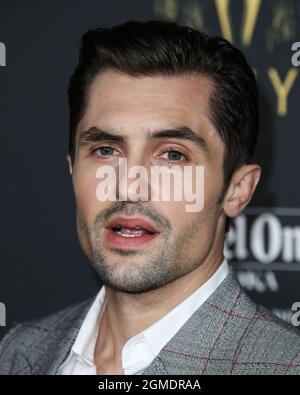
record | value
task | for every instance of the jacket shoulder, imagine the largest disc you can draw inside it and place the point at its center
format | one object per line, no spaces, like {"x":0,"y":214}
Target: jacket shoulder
{"x":270,"y":343}
{"x":23,"y":338}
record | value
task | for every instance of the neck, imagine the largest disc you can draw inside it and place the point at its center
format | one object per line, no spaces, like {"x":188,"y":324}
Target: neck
{"x":126,"y":314}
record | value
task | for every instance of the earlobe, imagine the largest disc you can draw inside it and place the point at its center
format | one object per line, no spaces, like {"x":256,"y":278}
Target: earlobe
{"x":240,"y":191}
{"x":69,"y":161}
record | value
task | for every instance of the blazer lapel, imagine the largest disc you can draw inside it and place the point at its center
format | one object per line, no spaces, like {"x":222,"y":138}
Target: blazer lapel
{"x":208,"y":341}
{"x":49,"y":355}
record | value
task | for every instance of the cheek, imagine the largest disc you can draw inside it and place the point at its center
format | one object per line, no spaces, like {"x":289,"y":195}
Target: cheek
{"x":85,"y":186}
{"x":200,"y":197}
{"x":177,"y":215}
{"x":202,"y":194}
{"x":194,"y":224}
{"x":192,"y":233}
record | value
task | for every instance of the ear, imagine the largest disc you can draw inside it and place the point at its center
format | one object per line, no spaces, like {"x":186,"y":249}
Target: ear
{"x":69,"y":161}
{"x":241,"y":188}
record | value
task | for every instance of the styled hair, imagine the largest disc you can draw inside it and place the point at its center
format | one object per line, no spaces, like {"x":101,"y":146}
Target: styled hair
{"x":163,"y":48}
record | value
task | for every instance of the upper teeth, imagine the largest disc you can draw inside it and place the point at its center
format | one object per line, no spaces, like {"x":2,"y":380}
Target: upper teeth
{"x":137,"y":231}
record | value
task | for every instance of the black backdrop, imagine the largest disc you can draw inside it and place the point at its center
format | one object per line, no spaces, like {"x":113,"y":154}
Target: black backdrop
{"x":42,"y":267}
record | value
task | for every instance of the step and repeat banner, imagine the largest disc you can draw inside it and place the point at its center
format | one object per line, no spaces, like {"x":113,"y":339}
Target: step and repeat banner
{"x":42,"y":266}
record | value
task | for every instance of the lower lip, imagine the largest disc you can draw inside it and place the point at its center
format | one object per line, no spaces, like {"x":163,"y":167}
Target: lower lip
{"x":123,"y":242}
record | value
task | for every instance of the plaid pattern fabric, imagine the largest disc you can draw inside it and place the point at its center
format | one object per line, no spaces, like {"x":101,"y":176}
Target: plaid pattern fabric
{"x":228,"y":334}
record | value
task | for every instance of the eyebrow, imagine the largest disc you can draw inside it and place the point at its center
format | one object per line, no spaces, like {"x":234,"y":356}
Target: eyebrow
{"x":95,"y":134}
{"x":181,"y":132}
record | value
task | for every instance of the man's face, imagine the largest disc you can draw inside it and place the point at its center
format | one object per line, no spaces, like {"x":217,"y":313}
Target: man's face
{"x":133,"y":260}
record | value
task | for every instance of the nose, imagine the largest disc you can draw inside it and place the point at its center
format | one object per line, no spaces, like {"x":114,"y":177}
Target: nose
{"x":133,"y":179}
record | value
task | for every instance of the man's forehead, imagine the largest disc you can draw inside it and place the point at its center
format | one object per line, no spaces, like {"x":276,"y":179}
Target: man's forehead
{"x":180,"y":99}
{"x":111,"y":85}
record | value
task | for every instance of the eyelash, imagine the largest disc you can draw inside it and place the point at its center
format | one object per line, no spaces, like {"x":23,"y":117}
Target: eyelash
{"x":174,"y":150}
{"x":161,"y":152}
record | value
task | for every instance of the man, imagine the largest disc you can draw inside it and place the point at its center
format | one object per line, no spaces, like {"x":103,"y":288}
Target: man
{"x":159,"y":94}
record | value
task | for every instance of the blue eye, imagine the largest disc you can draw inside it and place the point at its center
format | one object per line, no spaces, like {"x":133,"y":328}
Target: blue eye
{"x":174,"y":156}
{"x":104,"y":151}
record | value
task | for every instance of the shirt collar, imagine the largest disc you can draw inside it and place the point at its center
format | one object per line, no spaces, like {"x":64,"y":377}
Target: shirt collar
{"x":85,"y":342}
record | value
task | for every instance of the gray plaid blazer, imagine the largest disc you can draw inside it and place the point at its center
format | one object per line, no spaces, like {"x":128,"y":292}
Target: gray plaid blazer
{"x":228,"y":334}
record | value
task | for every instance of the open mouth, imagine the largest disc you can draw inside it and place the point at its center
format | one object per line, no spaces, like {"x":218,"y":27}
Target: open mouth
{"x":126,"y":232}
{"x":137,"y":231}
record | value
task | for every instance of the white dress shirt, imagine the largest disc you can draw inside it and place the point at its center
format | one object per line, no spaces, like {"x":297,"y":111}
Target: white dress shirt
{"x":140,"y":350}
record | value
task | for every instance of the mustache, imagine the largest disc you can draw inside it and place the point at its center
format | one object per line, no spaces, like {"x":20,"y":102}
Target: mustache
{"x":130,"y":209}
